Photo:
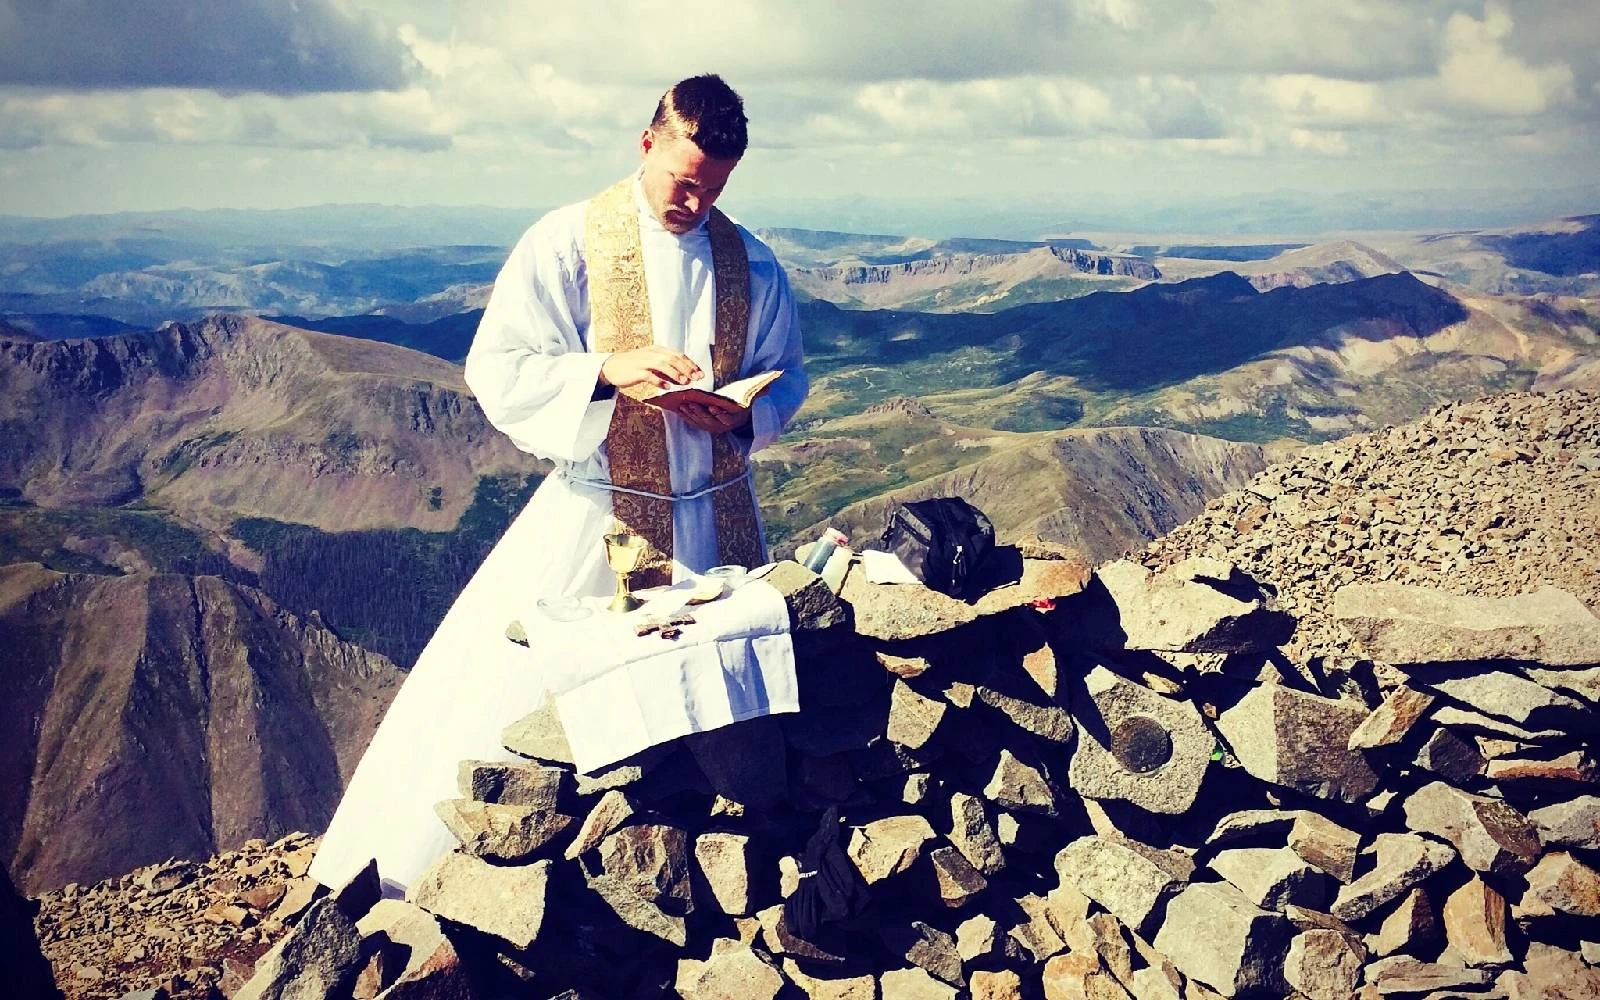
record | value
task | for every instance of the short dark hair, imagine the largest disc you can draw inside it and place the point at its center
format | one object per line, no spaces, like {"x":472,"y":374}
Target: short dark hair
{"x":706,"y":111}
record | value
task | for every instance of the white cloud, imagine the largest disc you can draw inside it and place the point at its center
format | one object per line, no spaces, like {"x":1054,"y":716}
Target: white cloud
{"x":243,"y":45}
{"x":1478,"y":72}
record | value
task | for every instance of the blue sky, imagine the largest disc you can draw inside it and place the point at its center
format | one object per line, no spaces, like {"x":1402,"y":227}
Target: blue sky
{"x":1085,"y":105}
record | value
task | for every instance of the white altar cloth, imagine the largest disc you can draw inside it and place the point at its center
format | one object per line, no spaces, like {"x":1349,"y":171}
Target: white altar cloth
{"x":618,"y":693}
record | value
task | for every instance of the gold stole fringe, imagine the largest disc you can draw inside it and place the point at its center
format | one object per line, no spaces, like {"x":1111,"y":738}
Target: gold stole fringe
{"x":636,"y":444}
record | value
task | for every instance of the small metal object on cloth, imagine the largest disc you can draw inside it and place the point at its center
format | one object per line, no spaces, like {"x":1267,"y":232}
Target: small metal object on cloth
{"x":667,"y":628}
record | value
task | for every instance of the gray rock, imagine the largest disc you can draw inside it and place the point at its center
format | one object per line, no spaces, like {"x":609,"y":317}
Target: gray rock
{"x":957,"y":880}
{"x":1045,"y":720}
{"x":1475,"y":924}
{"x":1213,"y":934}
{"x":533,"y":785}
{"x":1136,"y":746}
{"x":638,"y":912}
{"x":1021,"y":786}
{"x":1404,"y":860}
{"x":723,"y":861}
{"x":1551,"y":973}
{"x":504,"y":833}
{"x":1560,"y":883}
{"x":1451,"y":757}
{"x":651,"y":860}
{"x":431,"y":968}
{"x":1172,"y":614}
{"x":318,"y":958}
{"x":1299,"y":741}
{"x":746,"y":762}
{"x":1574,"y":823}
{"x":613,"y":810}
{"x":1273,"y":878}
{"x":972,"y":835}
{"x":1468,"y":720}
{"x":888,"y":846}
{"x":1250,"y":827}
{"x":1324,"y":965}
{"x":1391,"y":721}
{"x":1402,"y":974}
{"x":812,"y":606}
{"x":1490,"y":835}
{"x":506,"y":901}
{"x":1581,"y":682}
{"x":1127,"y":878}
{"x":1514,"y":697}
{"x":928,"y":948}
{"x":1411,"y":926}
{"x":1325,"y":844}
{"x":539,"y":736}
{"x":1404,"y":623}
{"x":913,"y":718}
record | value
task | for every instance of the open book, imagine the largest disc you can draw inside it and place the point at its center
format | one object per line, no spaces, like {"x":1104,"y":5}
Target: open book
{"x":734,"y":395}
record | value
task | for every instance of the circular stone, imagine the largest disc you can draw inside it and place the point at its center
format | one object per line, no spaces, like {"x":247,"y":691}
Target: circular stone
{"x":1141,"y":744}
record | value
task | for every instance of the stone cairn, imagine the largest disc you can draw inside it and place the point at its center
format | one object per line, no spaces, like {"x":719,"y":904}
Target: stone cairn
{"x":1226,"y":770}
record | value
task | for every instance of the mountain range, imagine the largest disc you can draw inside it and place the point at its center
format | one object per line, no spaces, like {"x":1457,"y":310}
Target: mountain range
{"x":225,"y":530}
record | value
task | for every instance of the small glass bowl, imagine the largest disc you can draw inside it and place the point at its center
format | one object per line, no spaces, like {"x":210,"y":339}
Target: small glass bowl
{"x":563,"y":609}
{"x":731,"y":575}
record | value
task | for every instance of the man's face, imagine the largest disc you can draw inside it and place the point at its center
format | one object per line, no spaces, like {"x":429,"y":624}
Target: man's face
{"x":680,"y":182}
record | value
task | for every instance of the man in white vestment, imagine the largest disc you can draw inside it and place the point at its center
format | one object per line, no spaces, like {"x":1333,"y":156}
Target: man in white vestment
{"x":600,"y":304}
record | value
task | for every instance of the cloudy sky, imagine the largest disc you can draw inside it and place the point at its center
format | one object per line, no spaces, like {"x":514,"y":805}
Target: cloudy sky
{"x":1094,"y":106}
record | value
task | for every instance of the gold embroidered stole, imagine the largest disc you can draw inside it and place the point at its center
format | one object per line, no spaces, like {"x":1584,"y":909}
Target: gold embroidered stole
{"x":636,"y":444}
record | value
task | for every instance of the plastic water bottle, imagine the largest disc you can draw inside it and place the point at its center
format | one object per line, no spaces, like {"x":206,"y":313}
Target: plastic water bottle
{"x":823,"y":548}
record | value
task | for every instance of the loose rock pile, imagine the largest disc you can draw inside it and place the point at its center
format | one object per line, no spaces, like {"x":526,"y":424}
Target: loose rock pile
{"x":180,"y":926}
{"x":1207,"y":780}
{"x":1491,"y":497}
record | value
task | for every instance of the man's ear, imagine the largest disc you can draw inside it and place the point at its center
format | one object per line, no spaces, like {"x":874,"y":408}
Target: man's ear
{"x":647,"y":139}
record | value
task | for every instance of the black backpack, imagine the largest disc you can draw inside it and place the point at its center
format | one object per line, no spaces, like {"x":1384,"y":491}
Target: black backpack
{"x":942,"y":541}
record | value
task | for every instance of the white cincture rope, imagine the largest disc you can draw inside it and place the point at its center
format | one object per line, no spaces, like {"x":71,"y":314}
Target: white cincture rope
{"x":670,"y":497}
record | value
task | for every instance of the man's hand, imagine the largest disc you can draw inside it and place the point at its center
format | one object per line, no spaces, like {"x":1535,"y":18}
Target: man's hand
{"x":654,"y":365}
{"x":704,"y":410}
{"x":714,"y":419}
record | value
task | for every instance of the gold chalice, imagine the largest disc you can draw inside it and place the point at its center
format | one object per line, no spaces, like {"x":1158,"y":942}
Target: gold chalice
{"x":623,"y":552}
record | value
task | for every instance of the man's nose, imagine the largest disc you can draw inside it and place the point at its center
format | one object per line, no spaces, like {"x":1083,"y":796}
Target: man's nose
{"x":691,"y":204}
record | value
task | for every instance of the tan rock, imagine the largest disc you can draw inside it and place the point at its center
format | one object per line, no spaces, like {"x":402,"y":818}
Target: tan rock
{"x":913,"y":718}
{"x":822,"y":987}
{"x":1391,"y":721}
{"x":1475,"y":924}
{"x":1002,"y":985}
{"x":1491,"y":835}
{"x":1564,"y":884}
{"x":1402,"y":623}
{"x":1403,"y":861}
{"x":888,"y":846}
{"x":733,"y":972}
{"x":913,"y":984}
{"x":1019,"y":785}
{"x":613,"y":810}
{"x":1410,"y":926}
{"x":1326,"y":844}
{"x":723,"y":861}
{"x":506,"y":901}
{"x":1324,"y":965}
{"x":651,"y":859}
{"x":1078,"y":976}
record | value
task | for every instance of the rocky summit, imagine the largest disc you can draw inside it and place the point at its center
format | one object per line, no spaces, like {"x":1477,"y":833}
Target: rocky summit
{"x":1248,"y":763}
